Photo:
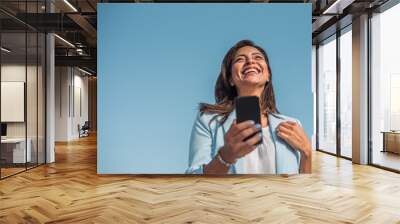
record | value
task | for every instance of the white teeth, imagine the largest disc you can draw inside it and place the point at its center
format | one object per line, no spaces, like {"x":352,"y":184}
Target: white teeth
{"x":250,"y":70}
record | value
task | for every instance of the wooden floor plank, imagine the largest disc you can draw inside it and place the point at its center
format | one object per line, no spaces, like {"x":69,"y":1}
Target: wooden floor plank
{"x":70,"y":191}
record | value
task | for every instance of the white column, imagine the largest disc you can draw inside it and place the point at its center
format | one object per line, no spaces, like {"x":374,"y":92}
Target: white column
{"x":360,"y":90}
{"x":50,"y":92}
{"x":50,"y":100}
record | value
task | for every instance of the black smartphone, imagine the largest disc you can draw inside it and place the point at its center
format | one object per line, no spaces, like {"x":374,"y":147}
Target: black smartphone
{"x":248,"y":108}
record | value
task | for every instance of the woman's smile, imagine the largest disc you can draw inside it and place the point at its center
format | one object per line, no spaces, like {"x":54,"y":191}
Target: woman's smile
{"x":251,"y":70}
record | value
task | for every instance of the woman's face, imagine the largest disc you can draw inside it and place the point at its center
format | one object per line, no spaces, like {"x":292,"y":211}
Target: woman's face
{"x":249,"y":68}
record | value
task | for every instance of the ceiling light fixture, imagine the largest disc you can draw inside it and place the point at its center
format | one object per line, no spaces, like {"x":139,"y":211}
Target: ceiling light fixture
{"x":84,"y":71}
{"x":337,"y":7}
{"x":5,"y":50}
{"x":65,"y":41}
{"x":79,"y":51}
{"x":70,"y":5}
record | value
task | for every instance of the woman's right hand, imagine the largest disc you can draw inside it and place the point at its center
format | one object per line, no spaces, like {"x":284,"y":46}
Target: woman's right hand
{"x":235,"y":147}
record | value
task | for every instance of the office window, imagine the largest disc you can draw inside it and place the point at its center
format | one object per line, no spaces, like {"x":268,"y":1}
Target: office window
{"x":327,"y":95}
{"x":385,"y":88}
{"x":346,"y":92}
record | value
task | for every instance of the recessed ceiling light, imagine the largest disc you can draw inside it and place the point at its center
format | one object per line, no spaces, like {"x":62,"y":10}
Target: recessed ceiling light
{"x":337,"y":7}
{"x":5,"y":50}
{"x":64,"y":40}
{"x":70,"y":5}
{"x":84,"y":71}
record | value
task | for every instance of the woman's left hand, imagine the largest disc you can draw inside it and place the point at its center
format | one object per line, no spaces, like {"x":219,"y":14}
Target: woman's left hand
{"x":292,"y":133}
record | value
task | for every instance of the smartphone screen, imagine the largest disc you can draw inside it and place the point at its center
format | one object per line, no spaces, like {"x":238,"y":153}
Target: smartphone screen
{"x":248,"y":108}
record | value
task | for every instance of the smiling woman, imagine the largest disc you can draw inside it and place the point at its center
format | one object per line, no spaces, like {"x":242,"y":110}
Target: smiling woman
{"x":219,"y":145}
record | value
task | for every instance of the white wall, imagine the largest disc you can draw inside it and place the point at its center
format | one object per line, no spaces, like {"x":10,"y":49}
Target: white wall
{"x":12,"y":73}
{"x":62,"y":81}
{"x":33,"y":127}
{"x":16,"y":72}
{"x":70,"y":83}
{"x":81,"y":89}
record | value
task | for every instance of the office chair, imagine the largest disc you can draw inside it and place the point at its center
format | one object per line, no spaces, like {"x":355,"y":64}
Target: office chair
{"x":84,"y":130}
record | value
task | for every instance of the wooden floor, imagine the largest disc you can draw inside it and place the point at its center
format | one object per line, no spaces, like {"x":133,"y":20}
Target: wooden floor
{"x":5,"y":172}
{"x":387,"y":159}
{"x":70,"y":191}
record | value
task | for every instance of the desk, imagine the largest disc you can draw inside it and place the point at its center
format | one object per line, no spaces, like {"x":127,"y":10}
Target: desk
{"x":391,"y":141}
{"x":17,"y":150}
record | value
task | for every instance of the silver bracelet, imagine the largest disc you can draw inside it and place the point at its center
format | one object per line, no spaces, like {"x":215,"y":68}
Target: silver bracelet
{"x":223,"y":161}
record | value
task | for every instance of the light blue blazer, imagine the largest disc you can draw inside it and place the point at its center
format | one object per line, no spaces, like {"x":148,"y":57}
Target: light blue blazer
{"x":207,"y":138}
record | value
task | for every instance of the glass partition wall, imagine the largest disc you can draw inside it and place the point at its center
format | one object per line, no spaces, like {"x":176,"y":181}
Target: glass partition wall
{"x":13,"y":89}
{"x":327,"y":95}
{"x":334,"y":83}
{"x":334,"y":99}
{"x":385,"y":89}
{"x":345,"y":62}
{"x":22,"y":98}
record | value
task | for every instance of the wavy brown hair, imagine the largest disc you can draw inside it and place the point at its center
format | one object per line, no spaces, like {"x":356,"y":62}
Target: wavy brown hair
{"x":225,"y":94}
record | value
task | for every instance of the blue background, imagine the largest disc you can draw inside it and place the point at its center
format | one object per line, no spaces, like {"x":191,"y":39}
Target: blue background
{"x":156,"y":62}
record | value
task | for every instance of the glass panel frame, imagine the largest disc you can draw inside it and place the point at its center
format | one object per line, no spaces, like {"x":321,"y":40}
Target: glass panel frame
{"x":326,"y":100}
{"x":26,"y":61}
{"x":13,"y":74}
{"x":340,"y":128}
{"x":345,"y":97}
{"x":384,"y":73}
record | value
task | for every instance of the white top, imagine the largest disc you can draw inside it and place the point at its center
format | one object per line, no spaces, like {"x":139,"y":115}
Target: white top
{"x":262,"y":159}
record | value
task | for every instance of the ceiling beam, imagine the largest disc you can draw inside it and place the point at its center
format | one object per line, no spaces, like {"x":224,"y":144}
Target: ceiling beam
{"x":82,"y":61}
{"x":86,"y":26}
